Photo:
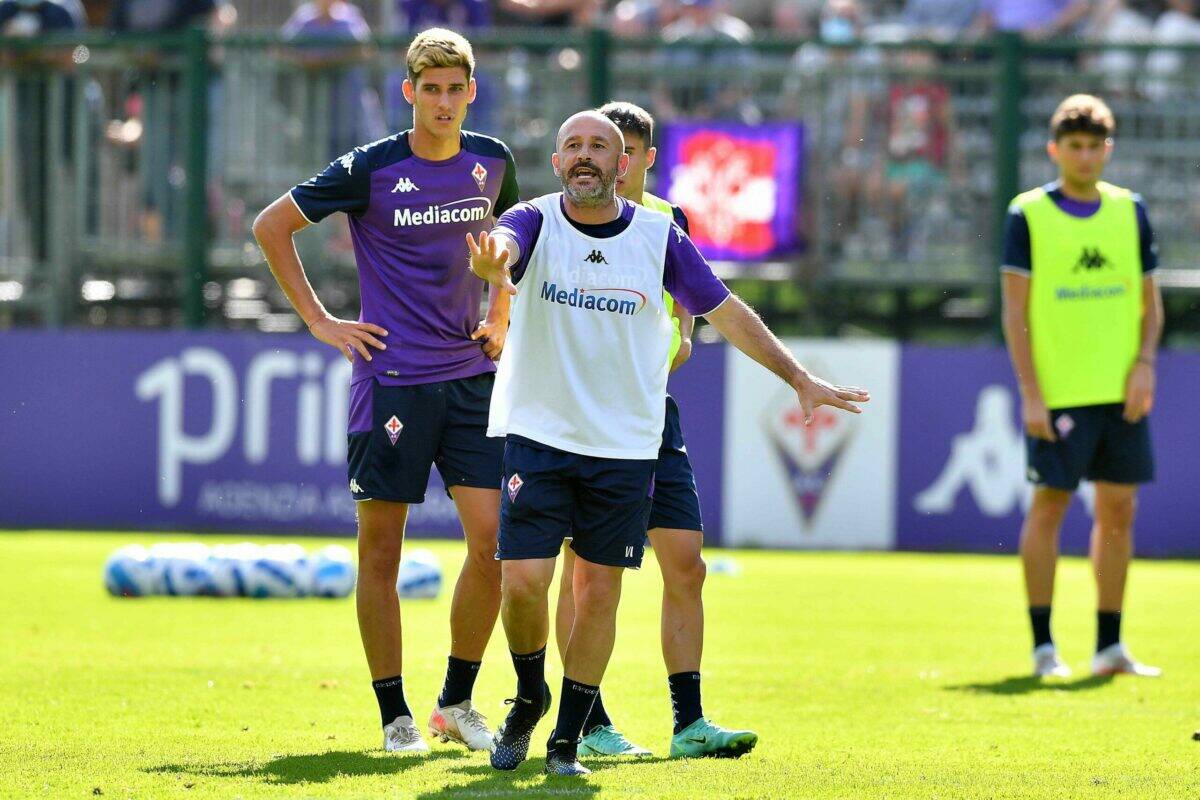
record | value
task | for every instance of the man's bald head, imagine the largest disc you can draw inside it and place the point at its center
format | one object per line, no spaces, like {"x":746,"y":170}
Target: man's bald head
{"x":589,"y":123}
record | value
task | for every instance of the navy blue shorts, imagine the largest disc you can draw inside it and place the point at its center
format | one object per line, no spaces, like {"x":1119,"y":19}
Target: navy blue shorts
{"x":549,"y":495}
{"x":676,"y":501}
{"x":1094,"y":443}
{"x":398,"y":432}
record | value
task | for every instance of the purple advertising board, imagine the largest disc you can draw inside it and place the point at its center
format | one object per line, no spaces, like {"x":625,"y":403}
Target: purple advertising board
{"x":738,"y":184}
{"x":216,"y":431}
{"x":961,"y":464}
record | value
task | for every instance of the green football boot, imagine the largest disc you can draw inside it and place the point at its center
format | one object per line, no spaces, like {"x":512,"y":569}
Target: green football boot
{"x":605,"y":740}
{"x":702,"y":739}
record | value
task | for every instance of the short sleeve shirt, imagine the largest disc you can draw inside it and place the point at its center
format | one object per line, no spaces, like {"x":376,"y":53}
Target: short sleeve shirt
{"x":409,"y":218}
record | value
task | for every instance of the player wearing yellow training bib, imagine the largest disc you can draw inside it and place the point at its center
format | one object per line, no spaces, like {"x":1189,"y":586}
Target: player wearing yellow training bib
{"x":1083,"y":318}
{"x":675,"y":528}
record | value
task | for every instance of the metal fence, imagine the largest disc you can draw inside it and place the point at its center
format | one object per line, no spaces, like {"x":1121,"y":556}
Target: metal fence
{"x":103,"y":222}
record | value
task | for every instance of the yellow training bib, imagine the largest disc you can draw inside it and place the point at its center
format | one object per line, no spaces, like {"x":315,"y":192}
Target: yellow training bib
{"x":1085,"y":297}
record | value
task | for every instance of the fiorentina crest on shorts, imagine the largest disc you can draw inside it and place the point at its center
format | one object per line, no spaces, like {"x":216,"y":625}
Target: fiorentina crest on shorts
{"x":808,"y":453}
{"x":480,"y":175}
{"x":514,"y":485}
{"x":393,"y":427}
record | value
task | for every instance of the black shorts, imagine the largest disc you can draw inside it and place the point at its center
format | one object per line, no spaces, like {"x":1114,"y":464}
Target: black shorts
{"x":398,"y":432}
{"x":1094,"y":443}
{"x":676,"y":501}
{"x":549,"y":495}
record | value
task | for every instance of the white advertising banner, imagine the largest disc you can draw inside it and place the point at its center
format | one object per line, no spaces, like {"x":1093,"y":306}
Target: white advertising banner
{"x":829,"y":485}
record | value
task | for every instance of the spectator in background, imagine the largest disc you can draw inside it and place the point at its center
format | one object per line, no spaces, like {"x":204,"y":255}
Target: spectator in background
{"x":795,"y":17}
{"x":33,"y":109}
{"x":1178,"y":25}
{"x":703,"y":68}
{"x":35,"y":17}
{"x":1116,"y":22}
{"x":349,"y":108}
{"x":153,"y":125}
{"x":172,"y":15}
{"x":552,"y":13}
{"x":464,"y":16}
{"x":836,"y":89}
{"x":1034,"y":19}
{"x":640,"y":17}
{"x":919,"y":126}
{"x":938,"y":20}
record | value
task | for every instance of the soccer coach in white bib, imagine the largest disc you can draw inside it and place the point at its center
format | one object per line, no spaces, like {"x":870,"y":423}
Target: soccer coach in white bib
{"x":580,"y":394}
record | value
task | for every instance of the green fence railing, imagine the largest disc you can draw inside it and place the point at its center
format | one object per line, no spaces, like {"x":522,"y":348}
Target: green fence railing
{"x":131,"y":168}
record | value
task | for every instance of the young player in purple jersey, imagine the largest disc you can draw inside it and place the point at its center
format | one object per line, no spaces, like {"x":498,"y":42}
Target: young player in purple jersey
{"x":423,"y":368}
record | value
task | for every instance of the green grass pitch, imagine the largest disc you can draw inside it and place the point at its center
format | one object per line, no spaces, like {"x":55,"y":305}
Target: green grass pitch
{"x":866,"y":675}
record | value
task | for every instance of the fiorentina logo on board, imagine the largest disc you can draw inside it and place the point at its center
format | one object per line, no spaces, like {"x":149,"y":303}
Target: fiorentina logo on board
{"x":480,"y":175}
{"x":808,"y":453}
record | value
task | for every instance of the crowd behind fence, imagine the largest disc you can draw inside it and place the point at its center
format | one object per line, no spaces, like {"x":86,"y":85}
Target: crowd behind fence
{"x":913,"y":150}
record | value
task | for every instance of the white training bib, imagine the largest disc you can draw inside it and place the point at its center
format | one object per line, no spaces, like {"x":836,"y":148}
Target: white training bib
{"x":585,"y":363}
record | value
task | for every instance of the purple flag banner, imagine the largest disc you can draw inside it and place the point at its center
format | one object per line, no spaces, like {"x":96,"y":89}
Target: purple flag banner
{"x":738,"y":184}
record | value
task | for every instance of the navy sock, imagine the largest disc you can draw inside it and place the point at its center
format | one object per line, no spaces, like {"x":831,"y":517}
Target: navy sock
{"x":1039,"y":618}
{"x":573,"y":708}
{"x":597,"y":716}
{"x":460,"y":680}
{"x":685,"y":698}
{"x":1108,"y":629}
{"x":390,"y":694}
{"x":531,"y":674}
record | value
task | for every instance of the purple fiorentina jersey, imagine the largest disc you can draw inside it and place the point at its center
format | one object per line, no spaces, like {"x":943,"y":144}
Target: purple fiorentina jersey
{"x":408,"y":220}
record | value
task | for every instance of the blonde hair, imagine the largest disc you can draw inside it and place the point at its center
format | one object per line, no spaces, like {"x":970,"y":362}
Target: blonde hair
{"x":439,"y":47}
{"x":1082,"y":113}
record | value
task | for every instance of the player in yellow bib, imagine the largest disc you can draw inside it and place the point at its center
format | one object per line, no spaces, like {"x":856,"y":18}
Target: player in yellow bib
{"x":1083,"y":318}
{"x":675,"y":528}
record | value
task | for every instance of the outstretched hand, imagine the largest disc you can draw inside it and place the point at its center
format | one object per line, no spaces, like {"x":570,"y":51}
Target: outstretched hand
{"x":812,"y":391}
{"x":489,"y":260}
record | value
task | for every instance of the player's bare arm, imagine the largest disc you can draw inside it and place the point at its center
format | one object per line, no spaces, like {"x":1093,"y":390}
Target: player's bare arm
{"x":687,"y":324}
{"x":1140,"y":385}
{"x":1015,"y":290}
{"x":745,"y":330}
{"x":491,"y":258}
{"x":274,"y":228}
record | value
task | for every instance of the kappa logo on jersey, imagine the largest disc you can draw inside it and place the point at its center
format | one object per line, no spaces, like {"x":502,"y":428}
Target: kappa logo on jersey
{"x":514,"y":486}
{"x":393,"y":427}
{"x":1091,"y":259}
{"x":354,"y":487}
{"x":596,"y":257}
{"x":480,"y":175}
{"x":347,"y":162}
{"x":405,"y":185}
{"x":469,"y":209}
{"x":592,"y":299}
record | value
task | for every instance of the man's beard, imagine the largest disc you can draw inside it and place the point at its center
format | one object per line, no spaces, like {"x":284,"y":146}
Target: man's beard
{"x":599,"y":194}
